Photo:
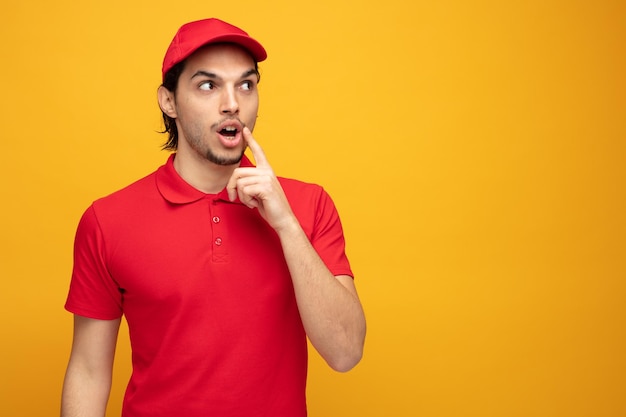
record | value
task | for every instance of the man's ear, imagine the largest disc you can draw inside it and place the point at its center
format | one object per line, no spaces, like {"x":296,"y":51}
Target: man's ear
{"x":167,"y":102}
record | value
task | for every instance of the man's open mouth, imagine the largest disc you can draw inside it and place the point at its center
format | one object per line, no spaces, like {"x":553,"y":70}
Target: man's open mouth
{"x":229,"y":131}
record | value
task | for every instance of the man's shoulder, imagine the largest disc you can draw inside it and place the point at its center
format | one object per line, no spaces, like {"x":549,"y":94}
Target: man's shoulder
{"x":134,"y":193}
{"x":307,"y":199}
{"x":294,"y":185}
{"x":123,"y":208}
{"x":298,"y":191}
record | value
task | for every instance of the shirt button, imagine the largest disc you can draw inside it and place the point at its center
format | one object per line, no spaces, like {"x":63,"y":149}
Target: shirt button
{"x":218,"y":241}
{"x":216,"y":219}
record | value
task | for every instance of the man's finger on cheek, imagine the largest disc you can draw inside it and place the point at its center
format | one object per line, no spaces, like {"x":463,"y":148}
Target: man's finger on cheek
{"x":257,"y":151}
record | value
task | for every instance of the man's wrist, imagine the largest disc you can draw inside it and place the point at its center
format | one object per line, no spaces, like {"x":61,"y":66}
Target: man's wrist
{"x":289,"y":228}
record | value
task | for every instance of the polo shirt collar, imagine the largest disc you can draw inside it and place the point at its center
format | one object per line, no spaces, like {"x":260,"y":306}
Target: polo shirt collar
{"x":176,"y":190}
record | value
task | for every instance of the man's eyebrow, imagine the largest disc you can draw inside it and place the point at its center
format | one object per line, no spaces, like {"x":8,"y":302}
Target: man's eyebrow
{"x":250,"y":72}
{"x":202,"y":73}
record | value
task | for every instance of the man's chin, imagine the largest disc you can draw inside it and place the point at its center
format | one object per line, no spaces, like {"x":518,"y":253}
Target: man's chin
{"x":224,"y":160}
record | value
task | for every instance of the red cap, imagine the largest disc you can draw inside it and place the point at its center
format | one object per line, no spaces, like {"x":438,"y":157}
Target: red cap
{"x":193,"y":35}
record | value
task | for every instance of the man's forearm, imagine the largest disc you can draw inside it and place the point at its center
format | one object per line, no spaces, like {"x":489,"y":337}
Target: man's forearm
{"x":329,"y":306}
{"x":84,"y":396}
{"x":89,"y":372}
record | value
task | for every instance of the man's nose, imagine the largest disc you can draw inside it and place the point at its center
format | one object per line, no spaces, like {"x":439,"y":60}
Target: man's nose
{"x":229,"y":104}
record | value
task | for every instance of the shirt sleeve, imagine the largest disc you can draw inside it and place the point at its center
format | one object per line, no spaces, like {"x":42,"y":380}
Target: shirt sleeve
{"x":93,"y":292}
{"x":327,"y":237}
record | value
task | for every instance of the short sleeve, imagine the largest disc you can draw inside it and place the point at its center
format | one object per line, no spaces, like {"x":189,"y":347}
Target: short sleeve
{"x":93,"y":292}
{"x":328,"y":238}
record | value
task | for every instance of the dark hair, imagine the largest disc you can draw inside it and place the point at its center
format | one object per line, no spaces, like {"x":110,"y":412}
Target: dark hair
{"x":170,"y":81}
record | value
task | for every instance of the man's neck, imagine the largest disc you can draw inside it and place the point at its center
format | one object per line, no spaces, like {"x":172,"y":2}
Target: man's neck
{"x":202,"y":174}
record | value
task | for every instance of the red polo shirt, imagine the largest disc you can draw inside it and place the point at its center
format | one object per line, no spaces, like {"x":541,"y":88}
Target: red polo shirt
{"x":205,"y":289}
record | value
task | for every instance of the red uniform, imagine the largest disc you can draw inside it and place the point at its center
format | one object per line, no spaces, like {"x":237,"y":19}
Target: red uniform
{"x":206,"y":292}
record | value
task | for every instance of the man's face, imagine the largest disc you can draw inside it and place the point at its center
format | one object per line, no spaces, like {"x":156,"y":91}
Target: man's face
{"x":216,"y":97}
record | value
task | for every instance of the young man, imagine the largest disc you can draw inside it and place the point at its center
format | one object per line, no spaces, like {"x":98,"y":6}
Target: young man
{"x":221,"y":268}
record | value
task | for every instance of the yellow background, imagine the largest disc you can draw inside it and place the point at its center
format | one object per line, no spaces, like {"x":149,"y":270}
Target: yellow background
{"x":475,"y":149}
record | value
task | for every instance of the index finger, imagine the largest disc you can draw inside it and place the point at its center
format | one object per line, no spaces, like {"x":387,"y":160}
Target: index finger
{"x":255,"y":148}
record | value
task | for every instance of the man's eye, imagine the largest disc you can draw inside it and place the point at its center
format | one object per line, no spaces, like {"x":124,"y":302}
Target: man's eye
{"x":206,"y":85}
{"x":246,"y":85}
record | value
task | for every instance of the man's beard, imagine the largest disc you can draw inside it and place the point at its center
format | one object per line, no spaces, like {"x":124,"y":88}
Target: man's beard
{"x":221,"y":160}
